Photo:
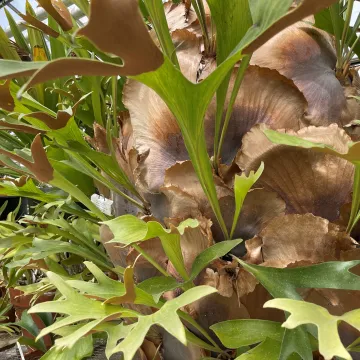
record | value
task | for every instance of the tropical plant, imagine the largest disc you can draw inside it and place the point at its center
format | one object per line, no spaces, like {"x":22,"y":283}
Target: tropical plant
{"x":214,"y":133}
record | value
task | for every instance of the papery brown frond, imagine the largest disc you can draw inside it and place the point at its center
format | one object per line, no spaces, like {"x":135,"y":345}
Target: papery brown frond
{"x":218,"y":307}
{"x":116,"y":253}
{"x":295,"y":238}
{"x":303,"y":9}
{"x":259,"y":207}
{"x":306,"y":55}
{"x":308,"y":181}
{"x":59,"y":11}
{"x":154,"y":126}
{"x":6,"y":100}
{"x":179,"y":17}
{"x":183,"y":176}
{"x":172,"y":349}
{"x":118,"y":28}
{"x":62,"y":117}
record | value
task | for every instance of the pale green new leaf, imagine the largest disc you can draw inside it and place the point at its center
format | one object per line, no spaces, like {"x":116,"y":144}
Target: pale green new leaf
{"x":107,"y":288}
{"x":156,"y":286}
{"x":128,"y":229}
{"x":242,"y":185}
{"x":77,"y":307}
{"x":302,"y":313}
{"x":28,"y":190}
{"x":83,"y":348}
{"x":166,"y":317}
{"x":352,"y":154}
{"x":115,"y":332}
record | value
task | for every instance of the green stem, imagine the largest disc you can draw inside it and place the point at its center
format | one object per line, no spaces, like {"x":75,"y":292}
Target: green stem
{"x":355,"y":205}
{"x":202,"y":331}
{"x":62,"y":183}
{"x":239,"y":77}
{"x":172,"y":248}
{"x":128,"y":198}
{"x":337,"y":33}
{"x":114,"y":89}
{"x":351,"y":52}
{"x":158,"y":19}
{"x":207,"y":183}
{"x":200,"y":13}
{"x":149,"y":259}
{"x":349,"y":10}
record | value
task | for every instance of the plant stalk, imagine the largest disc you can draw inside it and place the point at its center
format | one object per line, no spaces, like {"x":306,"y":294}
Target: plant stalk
{"x":239,"y":78}
{"x":350,"y":6}
{"x":149,"y":259}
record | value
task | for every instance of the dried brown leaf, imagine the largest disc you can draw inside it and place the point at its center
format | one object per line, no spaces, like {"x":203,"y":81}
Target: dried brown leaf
{"x":295,"y":238}
{"x":303,"y":10}
{"x":39,"y":25}
{"x":59,"y":11}
{"x":306,"y":55}
{"x":117,"y":27}
{"x":6,"y":100}
{"x":308,"y":181}
{"x":40,"y":167}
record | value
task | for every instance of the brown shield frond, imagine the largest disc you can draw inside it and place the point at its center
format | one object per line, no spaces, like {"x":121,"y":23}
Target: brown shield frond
{"x":154,"y":126}
{"x":306,"y":55}
{"x":308,"y":181}
{"x":265,"y":96}
{"x":295,"y":238}
{"x":304,"y":9}
{"x":260,"y":206}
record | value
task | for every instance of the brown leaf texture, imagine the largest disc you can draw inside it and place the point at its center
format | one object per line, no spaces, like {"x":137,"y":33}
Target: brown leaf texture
{"x":129,"y":284}
{"x":260,"y":206}
{"x":39,"y":25}
{"x":117,"y":27}
{"x":62,"y":117}
{"x":295,"y":238}
{"x":264,"y":97}
{"x":304,"y":9}
{"x":40,"y":167}
{"x":6,"y":100}
{"x":143,"y":270}
{"x":154,"y":126}
{"x":308,"y":181}
{"x":306,"y":55}
{"x":59,"y":12}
